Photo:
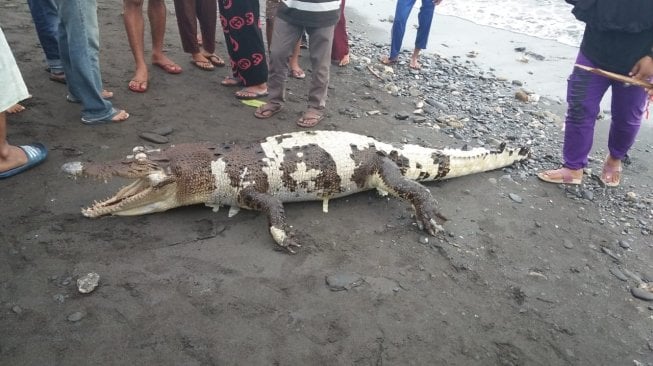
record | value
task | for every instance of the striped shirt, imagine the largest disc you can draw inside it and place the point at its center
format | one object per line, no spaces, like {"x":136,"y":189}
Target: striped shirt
{"x":310,"y":13}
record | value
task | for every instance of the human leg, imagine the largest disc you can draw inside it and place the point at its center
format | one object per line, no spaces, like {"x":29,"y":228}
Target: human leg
{"x":186,"y":14}
{"x":628,"y":107}
{"x":79,"y":45}
{"x":340,"y":48}
{"x":293,"y":62}
{"x":135,"y":28}
{"x":320,"y":50}
{"x":284,"y":38}
{"x":207,"y":16}
{"x":46,"y":22}
{"x":424,"y":20}
{"x":156,"y":13}
{"x":402,"y":11}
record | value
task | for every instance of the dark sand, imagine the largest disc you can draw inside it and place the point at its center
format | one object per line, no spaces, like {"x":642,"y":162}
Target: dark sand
{"x":515,"y":284}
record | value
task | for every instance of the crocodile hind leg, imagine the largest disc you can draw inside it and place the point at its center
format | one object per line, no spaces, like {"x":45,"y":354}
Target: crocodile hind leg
{"x":390,"y":179}
{"x":273,"y":208}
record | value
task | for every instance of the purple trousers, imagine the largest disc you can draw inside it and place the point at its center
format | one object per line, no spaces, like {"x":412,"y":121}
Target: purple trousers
{"x":584,"y":93}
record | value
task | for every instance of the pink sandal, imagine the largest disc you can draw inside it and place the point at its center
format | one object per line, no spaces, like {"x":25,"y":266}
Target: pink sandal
{"x":559,"y":176}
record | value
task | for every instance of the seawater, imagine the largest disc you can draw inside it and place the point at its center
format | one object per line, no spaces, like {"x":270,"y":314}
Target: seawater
{"x":546,"y":19}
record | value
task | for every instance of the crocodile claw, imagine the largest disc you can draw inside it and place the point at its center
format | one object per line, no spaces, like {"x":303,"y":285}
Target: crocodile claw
{"x":427,"y":219}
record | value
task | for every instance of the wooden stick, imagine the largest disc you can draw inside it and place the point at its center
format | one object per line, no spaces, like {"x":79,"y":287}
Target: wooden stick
{"x":618,"y":77}
{"x":374,"y":72}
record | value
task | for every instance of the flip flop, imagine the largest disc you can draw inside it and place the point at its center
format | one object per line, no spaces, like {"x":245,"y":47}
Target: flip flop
{"x":418,"y":66}
{"x":344,"y":61}
{"x":203,"y":65}
{"x":609,"y":174}
{"x":565,"y":176}
{"x":59,"y":77}
{"x":310,"y":119}
{"x":36,"y":154}
{"x":297,"y":74}
{"x":386,"y":60}
{"x":215,"y":60}
{"x":267,"y":110}
{"x":246,"y":94}
{"x":117,"y":116}
{"x":137,"y":86}
{"x":171,"y":68}
{"x":231,"y":81}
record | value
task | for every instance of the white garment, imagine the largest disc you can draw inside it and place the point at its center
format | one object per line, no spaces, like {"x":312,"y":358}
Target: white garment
{"x":12,"y":86}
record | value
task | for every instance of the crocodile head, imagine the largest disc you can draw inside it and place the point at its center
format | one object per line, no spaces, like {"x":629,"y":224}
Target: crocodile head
{"x":158,"y":184}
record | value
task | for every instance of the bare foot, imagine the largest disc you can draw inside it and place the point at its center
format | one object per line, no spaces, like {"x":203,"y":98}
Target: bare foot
{"x":165,"y":63}
{"x":414,"y":64}
{"x":16,"y":108}
{"x":140,"y":76}
{"x":344,"y":61}
{"x":611,"y":174}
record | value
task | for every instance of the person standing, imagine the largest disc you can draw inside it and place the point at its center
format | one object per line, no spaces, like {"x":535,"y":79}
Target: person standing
{"x":318,"y":18}
{"x":14,"y":159}
{"x":618,"y":39}
{"x":240,"y":21}
{"x":189,"y":13}
{"x":340,"y":48}
{"x":79,"y":44}
{"x":46,"y":21}
{"x":135,"y":27}
{"x":424,"y":20}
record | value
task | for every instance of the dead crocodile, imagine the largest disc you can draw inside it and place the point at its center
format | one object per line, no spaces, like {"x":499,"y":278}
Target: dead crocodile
{"x":298,"y":166}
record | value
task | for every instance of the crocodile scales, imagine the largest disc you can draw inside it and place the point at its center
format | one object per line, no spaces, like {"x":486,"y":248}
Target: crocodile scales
{"x":290,"y":167}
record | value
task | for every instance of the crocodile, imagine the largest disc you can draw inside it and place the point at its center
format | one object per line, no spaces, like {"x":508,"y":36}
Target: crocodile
{"x":290,"y":167}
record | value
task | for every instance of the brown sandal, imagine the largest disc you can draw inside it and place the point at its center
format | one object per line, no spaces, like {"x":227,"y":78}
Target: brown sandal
{"x":267,"y":110}
{"x":310,"y":118}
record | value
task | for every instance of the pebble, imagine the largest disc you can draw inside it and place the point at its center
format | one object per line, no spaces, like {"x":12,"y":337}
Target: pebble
{"x":163,"y":131}
{"x":402,"y":115}
{"x":632,"y":275}
{"x":153,"y":137}
{"x":624,"y":244}
{"x":567,"y":244}
{"x":76,"y":316}
{"x":59,"y":298}
{"x":515,"y":197}
{"x":610,"y":253}
{"x":617,"y":273}
{"x":423,"y":239}
{"x":642,"y":294}
{"x":17,"y":309}
{"x":88,"y":282}
{"x":343,"y":281}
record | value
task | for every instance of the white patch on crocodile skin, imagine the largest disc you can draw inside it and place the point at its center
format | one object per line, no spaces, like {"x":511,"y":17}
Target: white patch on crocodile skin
{"x":225,"y":193}
{"x":157,"y":177}
{"x":478,"y":160}
{"x":279,"y":235}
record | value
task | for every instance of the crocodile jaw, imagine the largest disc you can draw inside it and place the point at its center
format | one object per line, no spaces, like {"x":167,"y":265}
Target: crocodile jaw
{"x":138,"y":198}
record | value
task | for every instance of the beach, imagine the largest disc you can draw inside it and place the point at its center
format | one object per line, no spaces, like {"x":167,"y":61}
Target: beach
{"x":526,"y":273}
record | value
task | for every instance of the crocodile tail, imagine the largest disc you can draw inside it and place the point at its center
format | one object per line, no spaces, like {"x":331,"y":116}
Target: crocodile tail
{"x":455,"y":163}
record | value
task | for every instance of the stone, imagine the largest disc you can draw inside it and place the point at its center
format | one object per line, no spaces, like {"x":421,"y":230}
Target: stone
{"x":402,"y":115}
{"x":343,"y":281}
{"x":163,"y":131}
{"x":642,"y":294}
{"x":515,"y":198}
{"x":75,"y":317}
{"x":87,"y":283}
{"x":153,"y":137}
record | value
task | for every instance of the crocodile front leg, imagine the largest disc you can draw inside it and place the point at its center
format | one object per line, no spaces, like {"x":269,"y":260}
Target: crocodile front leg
{"x":273,"y":208}
{"x":392,"y":181}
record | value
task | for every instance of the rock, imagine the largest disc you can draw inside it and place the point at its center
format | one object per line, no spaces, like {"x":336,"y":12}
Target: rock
{"x":17,"y":309}
{"x":402,"y":115}
{"x":88,"y":283}
{"x":153,"y":137}
{"x":567,"y":244}
{"x":642,"y":294}
{"x":624,"y":245}
{"x":517,"y":83}
{"x":617,"y":273}
{"x":611,"y":254}
{"x":515,"y":197}
{"x":76,"y":316}
{"x":419,"y":119}
{"x":631,"y":197}
{"x":59,"y":298}
{"x":521,"y":96}
{"x":163,"y":131}
{"x":343,"y":281}
{"x":423,"y":239}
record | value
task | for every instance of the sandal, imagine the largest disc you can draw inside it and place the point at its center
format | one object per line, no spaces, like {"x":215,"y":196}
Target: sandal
{"x":560,"y":176}
{"x":116,"y":117}
{"x":215,"y":60}
{"x":297,"y":74}
{"x":245,"y":94}
{"x":171,"y":68}
{"x":267,"y":110}
{"x":137,"y":86}
{"x":231,"y":81}
{"x":611,"y":175}
{"x":36,"y":154}
{"x":203,"y":65}
{"x":310,"y":118}
{"x":58,"y":76}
